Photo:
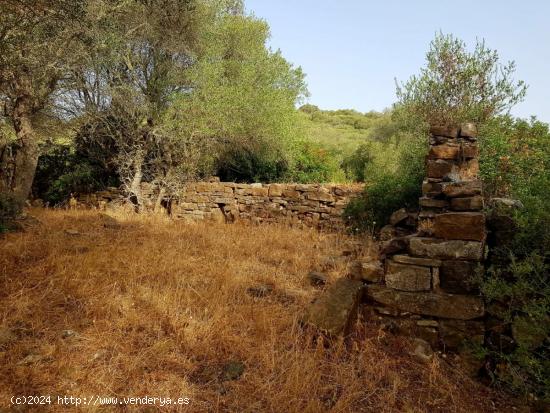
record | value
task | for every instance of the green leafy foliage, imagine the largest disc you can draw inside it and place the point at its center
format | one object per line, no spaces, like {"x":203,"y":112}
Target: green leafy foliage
{"x":457,"y":85}
{"x":516,"y":163}
{"x":312,"y":163}
{"x":393,"y":180}
{"x":62,"y":171}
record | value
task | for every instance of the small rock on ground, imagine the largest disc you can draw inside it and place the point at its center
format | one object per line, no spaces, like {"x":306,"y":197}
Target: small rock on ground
{"x":317,"y":278}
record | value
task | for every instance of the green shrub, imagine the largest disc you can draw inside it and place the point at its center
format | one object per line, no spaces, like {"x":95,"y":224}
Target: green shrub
{"x":62,"y":171}
{"x":255,"y":163}
{"x":393,"y":180}
{"x":515,"y":162}
{"x":356,"y":164}
{"x":313,"y":163}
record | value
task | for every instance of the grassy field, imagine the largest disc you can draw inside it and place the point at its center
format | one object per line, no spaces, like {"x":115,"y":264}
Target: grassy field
{"x":162,"y":309}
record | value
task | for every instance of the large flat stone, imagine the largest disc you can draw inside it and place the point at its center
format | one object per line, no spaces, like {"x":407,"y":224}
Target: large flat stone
{"x":407,"y":277}
{"x":444,"y":130}
{"x":320,"y":196}
{"x":469,"y":226}
{"x":440,"y":168}
{"x":461,"y":307}
{"x":334,"y":311}
{"x":454,"y":151}
{"x":445,"y":151}
{"x":462,"y":189}
{"x":452,"y":249}
{"x":426,"y":202}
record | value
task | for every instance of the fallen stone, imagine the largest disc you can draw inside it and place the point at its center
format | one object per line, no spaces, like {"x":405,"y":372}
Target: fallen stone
{"x":72,"y":232}
{"x":502,"y":230}
{"x":422,"y":350}
{"x":109,"y":222}
{"x":411,"y":220}
{"x":506,"y":203}
{"x":407,"y":277}
{"x":462,"y":189}
{"x":474,"y":203}
{"x":452,"y":249}
{"x":439,"y":140}
{"x":317,"y":278}
{"x":398,"y":216}
{"x":468,"y":226}
{"x":334,"y":311}
{"x":462,"y":307}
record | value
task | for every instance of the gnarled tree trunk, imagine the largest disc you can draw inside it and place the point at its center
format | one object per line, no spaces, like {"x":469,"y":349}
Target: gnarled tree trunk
{"x":26,"y":157}
{"x":135,"y":185}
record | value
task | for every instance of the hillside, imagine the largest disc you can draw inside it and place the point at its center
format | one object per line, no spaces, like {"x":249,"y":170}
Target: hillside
{"x":342,"y":131}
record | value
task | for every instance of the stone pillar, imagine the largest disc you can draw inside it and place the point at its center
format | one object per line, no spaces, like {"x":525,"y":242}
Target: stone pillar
{"x":428,"y":290}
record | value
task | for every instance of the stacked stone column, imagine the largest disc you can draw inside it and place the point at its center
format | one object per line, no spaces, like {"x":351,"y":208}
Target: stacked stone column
{"x":428,"y":290}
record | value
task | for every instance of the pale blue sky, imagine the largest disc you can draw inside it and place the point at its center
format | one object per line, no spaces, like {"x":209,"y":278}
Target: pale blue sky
{"x":351,"y":50}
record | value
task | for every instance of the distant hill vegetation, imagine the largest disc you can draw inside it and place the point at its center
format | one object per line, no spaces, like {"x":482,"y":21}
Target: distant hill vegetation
{"x":344,"y":130}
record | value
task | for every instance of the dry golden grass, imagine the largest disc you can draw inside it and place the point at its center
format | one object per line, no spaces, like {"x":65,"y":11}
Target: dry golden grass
{"x":159,"y":307}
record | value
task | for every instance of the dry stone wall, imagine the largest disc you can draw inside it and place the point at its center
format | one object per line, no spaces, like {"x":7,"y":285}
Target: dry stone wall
{"x":427,"y":290}
{"x":315,"y":205}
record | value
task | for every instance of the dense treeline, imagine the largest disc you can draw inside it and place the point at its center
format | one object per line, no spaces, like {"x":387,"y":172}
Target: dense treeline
{"x":128,"y":91}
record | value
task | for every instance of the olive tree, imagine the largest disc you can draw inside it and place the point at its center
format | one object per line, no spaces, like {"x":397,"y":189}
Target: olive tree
{"x":40,"y":40}
{"x":460,"y":85}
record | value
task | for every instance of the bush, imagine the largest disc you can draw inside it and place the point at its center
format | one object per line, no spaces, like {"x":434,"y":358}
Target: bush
{"x":515,"y":162}
{"x":61,"y":171}
{"x":393,"y":180}
{"x":312,"y":163}
{"x":356,"y":164}
{"x":251,"y":164}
